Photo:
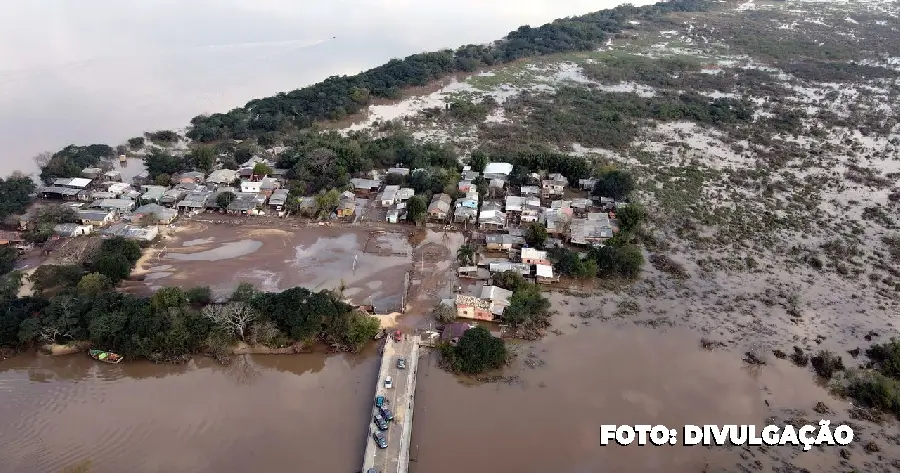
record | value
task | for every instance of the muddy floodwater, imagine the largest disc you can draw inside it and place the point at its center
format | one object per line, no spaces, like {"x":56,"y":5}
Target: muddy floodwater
{"x":369,"y":265}
{"x":310,"y":412}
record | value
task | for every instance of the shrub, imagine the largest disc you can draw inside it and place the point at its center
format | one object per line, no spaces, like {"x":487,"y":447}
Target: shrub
{"x":825,"y":363}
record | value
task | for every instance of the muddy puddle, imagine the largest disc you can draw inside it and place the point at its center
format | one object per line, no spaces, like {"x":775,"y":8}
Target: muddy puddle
{"x":262,"y":413}
{"x":369,"y":267}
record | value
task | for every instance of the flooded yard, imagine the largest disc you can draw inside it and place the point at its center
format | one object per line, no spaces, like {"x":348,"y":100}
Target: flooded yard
{"x":368,"y":265}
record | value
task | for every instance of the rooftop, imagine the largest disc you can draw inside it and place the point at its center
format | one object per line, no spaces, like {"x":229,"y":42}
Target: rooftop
{"x":58,"y":190}
{"x":498,"y":168}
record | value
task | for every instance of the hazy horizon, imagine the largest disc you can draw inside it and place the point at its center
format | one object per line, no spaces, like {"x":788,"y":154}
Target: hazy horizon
{"x":103,"y":74}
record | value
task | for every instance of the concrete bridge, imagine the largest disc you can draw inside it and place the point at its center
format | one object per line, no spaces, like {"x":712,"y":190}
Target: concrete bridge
{"x":399,"y":400}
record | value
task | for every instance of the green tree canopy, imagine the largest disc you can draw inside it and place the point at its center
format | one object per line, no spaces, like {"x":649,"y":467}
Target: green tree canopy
{"x":416,"y":209}
{"x":615,"y":184}
{"x":93,"y":284}
{"x":477,"y":352}
{"x":224,"y":199}
{"x":631,"y":217}
{"x":536,"y":235}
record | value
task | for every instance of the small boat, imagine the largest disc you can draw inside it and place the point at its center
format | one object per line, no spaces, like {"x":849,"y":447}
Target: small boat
{"x":105,"y":356}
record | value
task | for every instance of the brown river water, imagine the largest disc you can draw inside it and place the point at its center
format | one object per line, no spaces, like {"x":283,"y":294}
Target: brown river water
{"x":310,"y":412}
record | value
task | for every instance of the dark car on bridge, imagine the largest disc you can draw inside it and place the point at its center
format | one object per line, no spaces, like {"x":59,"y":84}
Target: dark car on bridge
{"x":380,"y":422}
{"x":386,"y":413}
{"x":380,"y":440}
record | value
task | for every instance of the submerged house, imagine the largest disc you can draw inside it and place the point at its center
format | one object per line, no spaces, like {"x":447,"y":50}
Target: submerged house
{"x":72,"y":229}
{"x":155,"y":213}
{"x":133,"y":232}
{"x":95,"y":217}
{"x":439,"y":209}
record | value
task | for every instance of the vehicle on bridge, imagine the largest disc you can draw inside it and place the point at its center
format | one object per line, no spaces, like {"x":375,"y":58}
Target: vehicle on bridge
{"x":401,"y":364}
{"x":380,"y":422}
{"x":388,"y":382}
{"x":398,"y":336}
{"x":380,"y":440}
{"x":379,"y":401}
{"x":386,"y":413}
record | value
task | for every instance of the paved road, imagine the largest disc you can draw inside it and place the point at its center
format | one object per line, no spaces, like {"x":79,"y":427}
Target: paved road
{"x":385,"y":460}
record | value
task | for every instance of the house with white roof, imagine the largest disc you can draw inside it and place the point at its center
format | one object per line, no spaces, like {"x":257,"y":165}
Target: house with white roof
{"x":497,"y":171}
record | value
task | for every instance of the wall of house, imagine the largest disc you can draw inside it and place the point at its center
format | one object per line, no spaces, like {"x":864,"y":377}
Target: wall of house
{"x":470,"y":312}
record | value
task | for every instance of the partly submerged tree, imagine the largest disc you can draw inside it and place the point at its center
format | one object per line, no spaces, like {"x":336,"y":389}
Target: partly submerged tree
{"x":466,"y":255}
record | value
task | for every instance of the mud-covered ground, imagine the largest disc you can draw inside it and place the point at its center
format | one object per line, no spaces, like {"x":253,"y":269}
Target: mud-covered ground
{"x":766,"y":232}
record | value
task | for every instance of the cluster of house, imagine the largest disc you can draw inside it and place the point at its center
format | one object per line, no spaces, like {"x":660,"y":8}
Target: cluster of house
{"x":102,"y":201}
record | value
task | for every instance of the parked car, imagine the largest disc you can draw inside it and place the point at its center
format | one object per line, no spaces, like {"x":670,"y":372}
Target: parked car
{"x":380,"y":422}
{"x":386,"y":413}
{"x":388,"y":382}
{"x":398,"y":336}
{"x":380,"y":440}
{"x":379,"y":401}
{"x":401,"y":364}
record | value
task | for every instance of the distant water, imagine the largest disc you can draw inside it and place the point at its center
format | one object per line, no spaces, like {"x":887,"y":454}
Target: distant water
{"x":72,"y":74}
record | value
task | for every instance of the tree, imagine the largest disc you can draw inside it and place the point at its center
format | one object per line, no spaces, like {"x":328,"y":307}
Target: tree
{"x":528,"y":308}
{"x":8,"y":257}
{"x":536,"y":235}
{"x":623,"y":261}
{"x":15,"y":194}
{"x":466,"y":255}
{"x":416,"y":209}
{"x":481,"y":186}
{"x":162,"y":180}
{"x":477,"y":352}
{"x":204,"y":157}
{"x":168,"y":297}
{"x":615,"y":184}
{"x":444,"y":313}
{"x":233,"y":317}
{"x":245,"y":292}
{"x":225,"y":199}
{"x":261,"y":169}
{"x":114,"y":266}
{"x":509,"y":280}
{"x":136,"y":143}
{"x":199,"y":295}
{"x":478,"y":160}
{"x":93,"y":284}
{"x":49,"y":276}
{"x":630,"y":217}
{"x":327,"y":202}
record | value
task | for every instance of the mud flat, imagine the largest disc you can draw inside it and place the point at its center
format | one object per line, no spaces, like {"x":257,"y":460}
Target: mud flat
{"x":369,"y":266}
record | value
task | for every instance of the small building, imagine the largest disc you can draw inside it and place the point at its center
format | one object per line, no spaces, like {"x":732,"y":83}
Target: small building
{"x":245,"y":203}
{"x":514,"y":203}
{"x":346,"y":204}
{"x":91,"y":173}
{"x":222,"y":176}
{"x":468,"y":271}
{"x":500,"y":241}
{"x":389,"y":196}
{"x":118,"y":205}
{"x":103,"y":195}
{"x":499,"y":297}
{"x":504,"y":266}
{"x":251,"y":187}
{"x":172,"y":196}
{"x":112,"y":176}
{"x":544,"y":274}
{"x":155,"y":213}
{"x":533,"y":256}
{"x":394,"y":215}
{"x":526,"y":191}
{"x":153,"y":193}
{"x":466,"y":186}
{"x":399,"y":171}
{"x":497,"y":171}
{"x":194,"y":201}
{"x":133,"y":232}
{"x":404,"y":194}
{"x":141,"y":178}
{"x":95,"y":217}
{"x":452,"y":333}
{"x":492,"y":220}
{"x":118,"y":188}
{"x":439,"y":209}
{"x":554,"y":187}
{"x":465,"y":214}
{"x":594,"y":230}
{"x":278,"y":200}
{"x":365,"y":186}
{"x":497,"y":184}
{"x":471,"y":201}
{"x":587,"y":184}
{"x":72,"y":229}
{"x":469,"y":175}
{"x":63,"y":193}
{"x":72,"y":182}
{"x":190,"y":177}
{"x":471,"y":307}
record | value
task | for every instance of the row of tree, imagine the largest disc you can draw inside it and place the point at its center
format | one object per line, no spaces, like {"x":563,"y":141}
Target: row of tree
{"x":337,"y":97}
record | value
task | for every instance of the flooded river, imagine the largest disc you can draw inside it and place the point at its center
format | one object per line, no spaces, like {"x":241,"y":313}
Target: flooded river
{"x":310,"y":412}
